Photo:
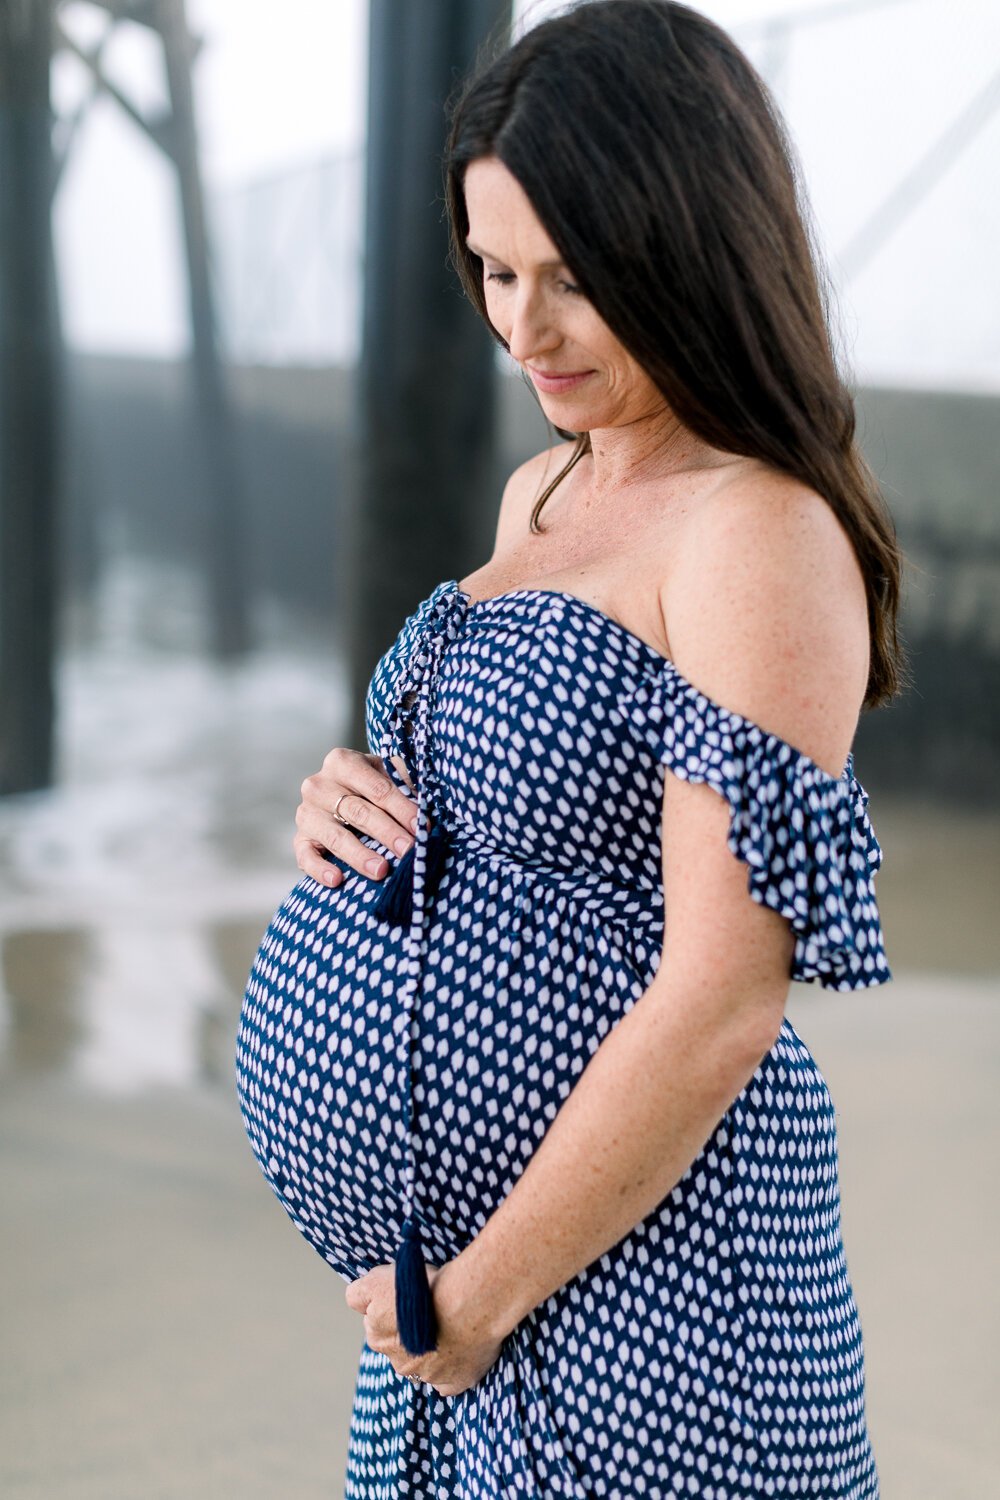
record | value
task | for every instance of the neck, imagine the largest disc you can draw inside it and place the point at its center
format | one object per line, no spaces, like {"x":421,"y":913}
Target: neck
{"x":650,"y":448}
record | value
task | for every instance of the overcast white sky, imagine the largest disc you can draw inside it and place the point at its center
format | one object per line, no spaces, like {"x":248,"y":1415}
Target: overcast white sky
{"x":868,"y":88}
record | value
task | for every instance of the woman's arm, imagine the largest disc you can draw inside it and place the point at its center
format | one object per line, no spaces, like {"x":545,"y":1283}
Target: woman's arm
{"x":767,"y":616}
{"x":649,"y":1098}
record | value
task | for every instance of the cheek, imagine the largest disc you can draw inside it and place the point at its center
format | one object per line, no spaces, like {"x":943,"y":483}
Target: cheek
{"x":619,"y":381}
{"x":591,"y":334}
{"x":633,"y":384}
{"x":495,"y":311}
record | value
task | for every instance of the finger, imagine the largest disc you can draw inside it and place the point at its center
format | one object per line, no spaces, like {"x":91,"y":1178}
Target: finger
{"x":321,"y":831}
{"x":326,"y":832}
{"x":368,"y":818}
{"x":357,"y":1297}
{"x":309,"y":858}
{"x":365,"y":812}
{"x":365,"y":776}
{"x":385,"y":796}
{"x":376,"y":1340}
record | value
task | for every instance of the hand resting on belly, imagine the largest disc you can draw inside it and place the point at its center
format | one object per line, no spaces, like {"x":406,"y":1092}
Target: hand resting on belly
{"x":371,"y":803}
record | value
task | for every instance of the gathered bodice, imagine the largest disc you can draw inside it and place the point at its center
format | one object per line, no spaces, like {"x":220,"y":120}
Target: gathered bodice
{"x":537,"y":726}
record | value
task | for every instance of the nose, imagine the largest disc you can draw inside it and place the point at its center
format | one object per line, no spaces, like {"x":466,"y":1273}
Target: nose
{"x":531,"y":331}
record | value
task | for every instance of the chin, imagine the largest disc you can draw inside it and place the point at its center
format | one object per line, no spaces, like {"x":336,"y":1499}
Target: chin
{"x":570,"y":416}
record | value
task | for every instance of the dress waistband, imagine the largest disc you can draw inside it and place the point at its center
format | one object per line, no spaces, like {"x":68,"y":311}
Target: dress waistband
{"x":601,"y":893}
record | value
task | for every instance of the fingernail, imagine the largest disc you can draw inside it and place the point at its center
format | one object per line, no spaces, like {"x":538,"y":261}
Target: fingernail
{"x":414,"y":824}
{"x":401,"y":846}
{"x":374,"y":866}
{"x":329,"y":877}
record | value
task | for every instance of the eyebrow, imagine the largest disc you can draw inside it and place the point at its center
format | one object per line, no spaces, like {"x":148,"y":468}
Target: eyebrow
{"x":486,"y":255}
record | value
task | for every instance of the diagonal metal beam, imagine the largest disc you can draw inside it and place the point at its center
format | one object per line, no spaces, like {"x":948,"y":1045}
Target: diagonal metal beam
{"x":142,"y":12}
{"x":160,"y":131}
{"x":67,"y":127}
{"x":920,"y":179}
{"x":146,"y":13}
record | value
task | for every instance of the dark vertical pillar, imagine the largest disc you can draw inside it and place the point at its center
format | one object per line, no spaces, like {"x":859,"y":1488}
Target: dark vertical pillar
{"x":225,"y":539}
{"x":427,"y":387}
{"x":28,"y":401}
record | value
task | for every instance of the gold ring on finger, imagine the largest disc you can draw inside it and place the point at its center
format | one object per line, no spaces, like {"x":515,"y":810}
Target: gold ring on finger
{"x":336,"y":810}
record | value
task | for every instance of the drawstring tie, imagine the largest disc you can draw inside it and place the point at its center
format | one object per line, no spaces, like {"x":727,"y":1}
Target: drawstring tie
{"x":395,"y":901}
{"x":403,"y":901}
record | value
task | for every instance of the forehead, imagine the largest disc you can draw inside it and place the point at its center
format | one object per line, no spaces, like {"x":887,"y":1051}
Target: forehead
{"x":502,"y":221}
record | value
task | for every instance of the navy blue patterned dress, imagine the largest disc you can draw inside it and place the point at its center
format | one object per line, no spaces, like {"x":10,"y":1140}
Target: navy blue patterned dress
{"x":391,"y":1068}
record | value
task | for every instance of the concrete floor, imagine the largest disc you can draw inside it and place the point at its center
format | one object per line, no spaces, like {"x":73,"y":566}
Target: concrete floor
{"x":165,"y":1332}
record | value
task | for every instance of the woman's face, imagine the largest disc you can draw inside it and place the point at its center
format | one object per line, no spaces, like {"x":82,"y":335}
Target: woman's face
{"x":584,"y":377}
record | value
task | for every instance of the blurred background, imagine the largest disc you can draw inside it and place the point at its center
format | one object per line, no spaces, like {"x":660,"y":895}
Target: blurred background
{"x":234,"y":372}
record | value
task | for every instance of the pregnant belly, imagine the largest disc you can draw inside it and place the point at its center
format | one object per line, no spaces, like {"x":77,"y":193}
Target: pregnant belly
{"x":521,"y":978}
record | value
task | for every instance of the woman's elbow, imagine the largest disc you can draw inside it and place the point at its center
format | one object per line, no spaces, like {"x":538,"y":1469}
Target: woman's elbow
{"x":757,"y":1017}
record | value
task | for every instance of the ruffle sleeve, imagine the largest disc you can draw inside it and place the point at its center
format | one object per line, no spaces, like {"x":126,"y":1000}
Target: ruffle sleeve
{"x":804,"y":835}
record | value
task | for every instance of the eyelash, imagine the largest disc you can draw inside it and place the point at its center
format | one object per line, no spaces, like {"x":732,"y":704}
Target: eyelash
{"x":504,"y":278}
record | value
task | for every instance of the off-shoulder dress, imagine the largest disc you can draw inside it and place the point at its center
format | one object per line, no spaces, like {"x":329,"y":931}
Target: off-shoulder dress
{"x":405,"y":1069}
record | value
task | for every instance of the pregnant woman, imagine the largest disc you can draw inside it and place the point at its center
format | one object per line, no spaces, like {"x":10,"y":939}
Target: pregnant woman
{"x":513,"y":1054}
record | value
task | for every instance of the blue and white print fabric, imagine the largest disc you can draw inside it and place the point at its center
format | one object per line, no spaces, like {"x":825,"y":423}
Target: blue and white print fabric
{"x":715,"y":1351}
{"x":806,"y":838}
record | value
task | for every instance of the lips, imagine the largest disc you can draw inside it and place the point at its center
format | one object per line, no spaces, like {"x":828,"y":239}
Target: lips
{"x":557,"y":374}
{"x":557,"y":380}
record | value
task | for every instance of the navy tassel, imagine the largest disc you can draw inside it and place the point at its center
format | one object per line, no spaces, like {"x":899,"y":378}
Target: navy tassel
{"x":395,"y":899}
{"x":415,"y":1317}
{"x":437,"y":855}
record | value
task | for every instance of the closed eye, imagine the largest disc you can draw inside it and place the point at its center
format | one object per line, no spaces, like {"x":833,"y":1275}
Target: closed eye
{"x":504,"y":278}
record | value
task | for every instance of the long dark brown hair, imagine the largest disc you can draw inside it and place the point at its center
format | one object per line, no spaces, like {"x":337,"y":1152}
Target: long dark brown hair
{"x":659,"y":164}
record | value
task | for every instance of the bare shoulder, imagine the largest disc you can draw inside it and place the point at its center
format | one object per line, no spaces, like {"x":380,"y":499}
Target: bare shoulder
{"x":524,"y":487}
{"x":766,"y":519}
{"x":767,"y":612}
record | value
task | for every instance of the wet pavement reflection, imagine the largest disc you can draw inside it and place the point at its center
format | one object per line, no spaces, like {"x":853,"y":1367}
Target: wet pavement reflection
{"x":133,"y":895}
